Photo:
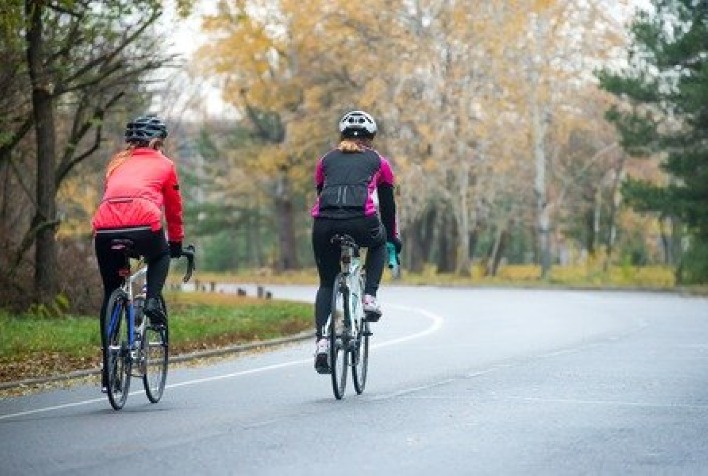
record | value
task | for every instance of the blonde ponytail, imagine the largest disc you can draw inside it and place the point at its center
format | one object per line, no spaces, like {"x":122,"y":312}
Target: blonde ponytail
{"x":349,"y":146}
{"x":119,"y":159}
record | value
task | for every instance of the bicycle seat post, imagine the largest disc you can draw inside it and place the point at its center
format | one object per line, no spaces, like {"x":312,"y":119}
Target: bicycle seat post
{"x":349,"y":253}
{"x":346,"y":258}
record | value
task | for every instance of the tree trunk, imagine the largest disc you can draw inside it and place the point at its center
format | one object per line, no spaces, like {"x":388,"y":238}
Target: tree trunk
{"x":463,"y":267}
{"x":542,"y":210}
{"x":498,"y":250}
{"x":4,"y":204}
{"x":254,"y":241}
{"x":416,"y":244}
{"x":539,"y":125}
{"x":594,"y":221}
{"x":419,"y":240}
{"x":287,"y":252}
{"x":473,"y":240}
{"x":544,"y":241}
{"x":447,"y":244}
{"x":45,"y":221}
{"x":670,"y":239}
{"x":614,"y":205}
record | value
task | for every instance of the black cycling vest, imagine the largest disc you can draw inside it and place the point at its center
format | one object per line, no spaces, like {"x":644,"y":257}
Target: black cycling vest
{"x":347,"y":184}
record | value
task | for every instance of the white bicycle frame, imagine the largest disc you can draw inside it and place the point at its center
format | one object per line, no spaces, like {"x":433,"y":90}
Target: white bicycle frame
{"x":351,"y":269}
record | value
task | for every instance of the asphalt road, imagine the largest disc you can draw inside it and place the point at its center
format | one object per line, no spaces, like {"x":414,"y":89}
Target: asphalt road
{"x":462,"y":382}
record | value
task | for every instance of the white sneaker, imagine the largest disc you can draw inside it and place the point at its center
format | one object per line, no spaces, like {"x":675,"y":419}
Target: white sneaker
{"x":322,"y":356}
{"x":371,"y":308}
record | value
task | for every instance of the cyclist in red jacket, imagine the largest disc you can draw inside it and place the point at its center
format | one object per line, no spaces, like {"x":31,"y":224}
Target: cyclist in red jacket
{"x":140,"y":183}
{"x":355,"y":186}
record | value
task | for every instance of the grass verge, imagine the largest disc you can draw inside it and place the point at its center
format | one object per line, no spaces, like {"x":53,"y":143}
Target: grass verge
{"x":32,"y":347}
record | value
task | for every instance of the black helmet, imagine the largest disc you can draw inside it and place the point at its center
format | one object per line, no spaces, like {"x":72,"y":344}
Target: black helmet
{"x":145,"y":128}
{"x":357,"y":124}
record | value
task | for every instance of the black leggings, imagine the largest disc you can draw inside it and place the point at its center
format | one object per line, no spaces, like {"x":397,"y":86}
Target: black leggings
{"x":152,"y":245}
{"x":368,"y":232}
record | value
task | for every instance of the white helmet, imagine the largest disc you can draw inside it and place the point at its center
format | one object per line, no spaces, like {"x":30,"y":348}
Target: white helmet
{"x":357,"y":124}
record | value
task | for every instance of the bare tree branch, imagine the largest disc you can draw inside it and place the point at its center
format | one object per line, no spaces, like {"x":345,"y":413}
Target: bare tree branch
{"x":110,"y":56}
{"x":38,"y":225}
{"x":24,"y":128}
{"x":69,"y":160}
{"x":19,"y":174}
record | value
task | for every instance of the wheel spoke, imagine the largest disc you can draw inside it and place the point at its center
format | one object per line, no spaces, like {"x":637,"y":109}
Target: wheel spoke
{"x":117,"y":359}
{"x":338,"y":343}
{"x":361,"y":358}
{"x":156,"y":356}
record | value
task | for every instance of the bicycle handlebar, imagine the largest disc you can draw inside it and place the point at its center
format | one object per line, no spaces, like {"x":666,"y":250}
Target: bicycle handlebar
{"x":188,"y":252}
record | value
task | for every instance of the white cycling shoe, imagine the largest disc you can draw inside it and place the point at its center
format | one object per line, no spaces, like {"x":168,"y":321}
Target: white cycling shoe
{"x":371,"y":308}
{"x":322,"y":356}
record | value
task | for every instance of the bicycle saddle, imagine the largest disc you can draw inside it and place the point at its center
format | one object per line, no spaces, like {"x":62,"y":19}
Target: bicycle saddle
{"x":345,"y":240}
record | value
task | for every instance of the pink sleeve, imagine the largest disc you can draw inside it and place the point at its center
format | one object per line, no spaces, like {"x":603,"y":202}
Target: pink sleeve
{"x":319,"y":174}
{"x":386,"y":175}
{"x":173,"y":206}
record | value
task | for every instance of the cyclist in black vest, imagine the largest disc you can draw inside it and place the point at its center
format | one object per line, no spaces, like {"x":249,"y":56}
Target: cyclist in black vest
{"x":354,"y":196}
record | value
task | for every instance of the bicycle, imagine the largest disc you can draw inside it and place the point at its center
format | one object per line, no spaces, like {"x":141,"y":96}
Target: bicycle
{"x":347,"y":328}
{"x":134,"y":347}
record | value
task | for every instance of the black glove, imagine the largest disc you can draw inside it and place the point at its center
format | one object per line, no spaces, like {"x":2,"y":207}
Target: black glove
{"x":175,"y":249}
{"x":397,"y":244}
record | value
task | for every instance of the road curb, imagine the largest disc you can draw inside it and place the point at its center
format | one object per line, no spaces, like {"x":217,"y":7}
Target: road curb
{"x":201,"y":354}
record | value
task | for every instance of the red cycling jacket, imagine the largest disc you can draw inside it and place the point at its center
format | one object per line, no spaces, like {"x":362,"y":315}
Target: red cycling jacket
{"x":136,"y":193}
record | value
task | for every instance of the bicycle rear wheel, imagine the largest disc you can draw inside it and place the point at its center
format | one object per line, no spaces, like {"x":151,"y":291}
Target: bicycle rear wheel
{"x":338,"y":339}
{"x":117,"y":349}
{"x":360,"y":354}
{"x":360,"y":358}
{"x":155,"y":355}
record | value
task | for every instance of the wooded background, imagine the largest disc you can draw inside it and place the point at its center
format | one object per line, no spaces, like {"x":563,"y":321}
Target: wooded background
{"x":547,"y":132}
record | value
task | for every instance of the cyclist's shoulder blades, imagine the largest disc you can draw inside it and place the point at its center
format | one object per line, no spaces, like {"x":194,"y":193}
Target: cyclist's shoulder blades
{"x":150,"y":153}
{"x":165,"y":163}
{"x":377,"y":153}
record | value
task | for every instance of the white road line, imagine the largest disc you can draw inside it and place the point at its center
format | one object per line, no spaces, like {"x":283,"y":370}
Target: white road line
{"x":436,"y":325}
{"x":56,"y":407}
{"x":241,"y":373}
{"x":609,"y":402}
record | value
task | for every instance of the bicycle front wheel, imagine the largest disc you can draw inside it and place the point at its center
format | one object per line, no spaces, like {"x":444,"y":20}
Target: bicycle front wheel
{"x":155,"y":355}
{"x":338,"y":338}
{"x":117,"y":359}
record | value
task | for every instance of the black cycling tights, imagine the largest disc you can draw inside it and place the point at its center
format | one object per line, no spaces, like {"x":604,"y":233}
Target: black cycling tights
{"x":367,"y":232}
{"x":150,"y":244}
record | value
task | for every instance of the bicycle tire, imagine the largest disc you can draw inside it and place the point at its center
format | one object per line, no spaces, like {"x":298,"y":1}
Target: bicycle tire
{"x":360,"y":366}
{"x":338,"y":342}
{"x":360,"y":354}
{"x":117,"y":357}
{"x":156,"y":356}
